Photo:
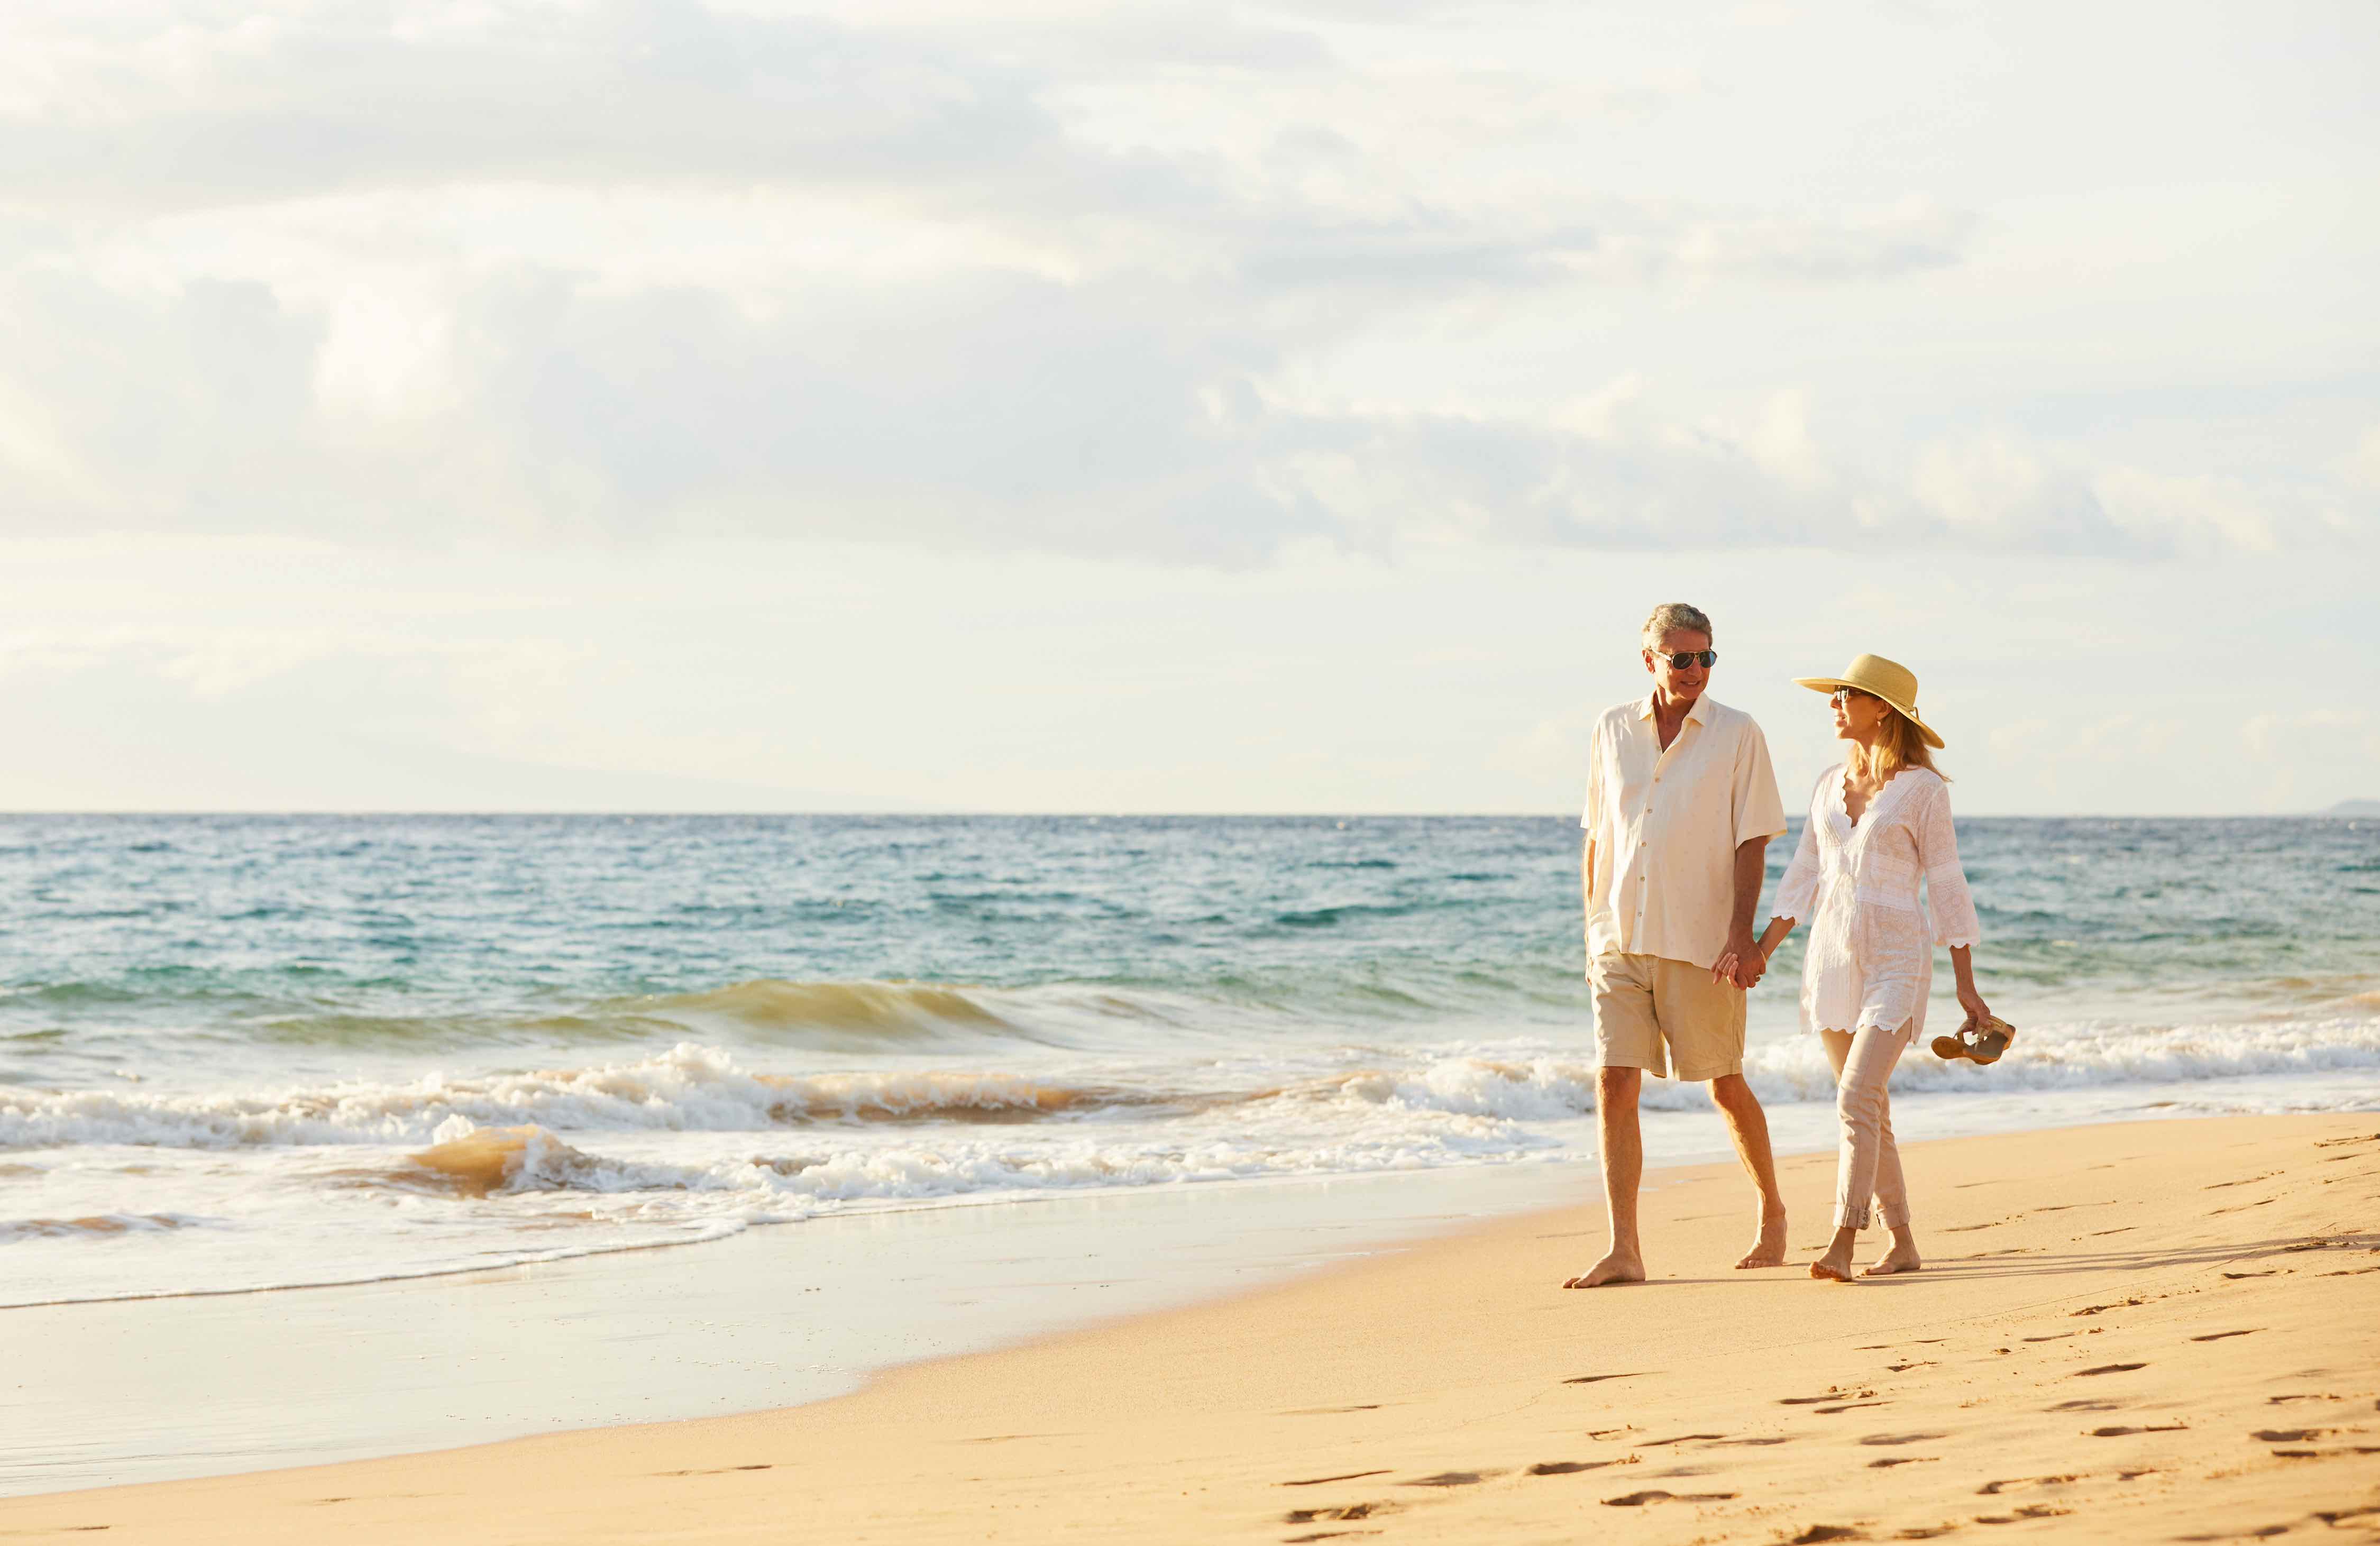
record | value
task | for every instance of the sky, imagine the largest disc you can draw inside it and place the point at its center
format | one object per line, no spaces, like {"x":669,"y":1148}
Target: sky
{"x":1006,"y":405}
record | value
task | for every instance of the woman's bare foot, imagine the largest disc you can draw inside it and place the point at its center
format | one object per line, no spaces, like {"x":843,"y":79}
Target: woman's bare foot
{"x":1835,"y":1265}
{"x":1901,"y":1257}
{"x":1768,"y":1250}
{"x":1617,"y":1266}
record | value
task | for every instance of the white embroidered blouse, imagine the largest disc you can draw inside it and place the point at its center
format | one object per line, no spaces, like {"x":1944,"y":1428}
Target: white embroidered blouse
{"x":1870,"y":960}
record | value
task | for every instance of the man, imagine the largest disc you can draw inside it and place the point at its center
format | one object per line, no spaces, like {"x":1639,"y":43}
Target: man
{"x":1680,"y":804}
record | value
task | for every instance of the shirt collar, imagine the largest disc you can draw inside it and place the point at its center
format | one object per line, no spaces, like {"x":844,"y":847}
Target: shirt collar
{"x":1695,"y":714}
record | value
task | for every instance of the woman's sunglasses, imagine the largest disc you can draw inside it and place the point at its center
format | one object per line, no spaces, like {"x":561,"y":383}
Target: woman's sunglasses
{"x":1684,"y":658}
{"x":1844,"y":695}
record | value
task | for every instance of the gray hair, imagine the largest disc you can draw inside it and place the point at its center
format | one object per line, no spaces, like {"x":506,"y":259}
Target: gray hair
{"x":1676,"y":617}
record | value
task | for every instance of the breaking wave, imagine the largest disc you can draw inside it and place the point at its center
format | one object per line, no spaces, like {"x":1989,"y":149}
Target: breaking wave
{"x":769,"y":1003}
{"x":693,"y":1088}
{"x":95,"y":1226}
{"x":689,"y":1088}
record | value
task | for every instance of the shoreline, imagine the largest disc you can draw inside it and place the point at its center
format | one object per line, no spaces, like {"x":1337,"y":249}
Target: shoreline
{"x":184,"y":1386}
{"x":1446,"y":1391}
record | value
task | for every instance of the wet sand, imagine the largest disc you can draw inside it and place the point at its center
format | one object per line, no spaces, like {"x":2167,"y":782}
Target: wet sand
{"x":2144,"y":1331}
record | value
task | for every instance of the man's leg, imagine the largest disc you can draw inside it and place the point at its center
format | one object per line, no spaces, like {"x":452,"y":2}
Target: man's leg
{"x":1748,"y":1125}
{"x":1623,"y":1173}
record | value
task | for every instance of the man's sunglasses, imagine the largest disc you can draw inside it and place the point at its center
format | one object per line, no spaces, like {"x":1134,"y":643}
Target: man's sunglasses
{"x":1684,"y":658}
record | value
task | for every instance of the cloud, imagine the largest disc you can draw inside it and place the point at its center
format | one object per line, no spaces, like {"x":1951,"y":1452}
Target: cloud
{"x":2318,"y":735}
{"x":2314,"y":758}
{"x":1177,"y":284}
{"x":1128,"y":415}
{"x":2362,"y":466}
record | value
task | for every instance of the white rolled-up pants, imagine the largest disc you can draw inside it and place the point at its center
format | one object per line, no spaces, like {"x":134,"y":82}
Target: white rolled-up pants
{"x":1868,"y":1165}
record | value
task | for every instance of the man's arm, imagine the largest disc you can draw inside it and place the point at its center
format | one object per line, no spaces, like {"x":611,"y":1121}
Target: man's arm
{"x":1742,"y":963}
{"x":1587,"y":877}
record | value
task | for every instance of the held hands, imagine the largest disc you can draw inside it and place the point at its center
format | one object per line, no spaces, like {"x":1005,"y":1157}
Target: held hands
{"x":1742,"y":963}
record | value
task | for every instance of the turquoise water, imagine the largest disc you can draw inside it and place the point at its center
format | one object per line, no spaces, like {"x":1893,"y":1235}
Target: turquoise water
{"x":225,"y":1040}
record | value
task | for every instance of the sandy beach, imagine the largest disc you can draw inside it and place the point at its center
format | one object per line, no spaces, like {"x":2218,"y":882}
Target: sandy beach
{"x":2150,"y":1331}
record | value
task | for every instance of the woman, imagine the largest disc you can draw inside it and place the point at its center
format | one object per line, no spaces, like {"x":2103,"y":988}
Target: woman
{"x":1879,"y":822}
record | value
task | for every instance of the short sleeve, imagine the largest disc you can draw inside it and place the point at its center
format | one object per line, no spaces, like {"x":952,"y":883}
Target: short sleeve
{"x":1797,"y":894}
{"x":1949,"y":906}
{"x":1758,"y":811}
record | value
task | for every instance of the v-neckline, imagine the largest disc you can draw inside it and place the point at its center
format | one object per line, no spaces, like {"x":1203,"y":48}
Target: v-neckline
{"x":1867,"y":811}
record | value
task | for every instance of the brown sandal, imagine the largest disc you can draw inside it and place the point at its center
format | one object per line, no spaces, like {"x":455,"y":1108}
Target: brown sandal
{"x":1977,"y":1043}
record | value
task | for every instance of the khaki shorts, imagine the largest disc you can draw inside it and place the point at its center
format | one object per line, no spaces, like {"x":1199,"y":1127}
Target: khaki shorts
{"x":1641,"y":1002}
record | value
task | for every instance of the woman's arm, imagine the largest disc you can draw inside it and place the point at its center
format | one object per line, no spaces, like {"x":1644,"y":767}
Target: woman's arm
{"x":1962,"y":962}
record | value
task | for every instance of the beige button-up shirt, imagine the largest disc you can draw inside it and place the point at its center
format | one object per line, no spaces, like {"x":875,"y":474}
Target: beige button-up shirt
{"x":1666,"y":825}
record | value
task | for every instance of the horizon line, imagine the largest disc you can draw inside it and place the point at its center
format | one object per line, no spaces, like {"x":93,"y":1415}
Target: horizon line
{"x":1134,"y":815}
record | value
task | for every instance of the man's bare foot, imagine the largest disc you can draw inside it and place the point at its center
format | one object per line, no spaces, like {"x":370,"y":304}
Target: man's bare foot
{"x":1900,"y":1259}
{"x":1616,"y":1267}
{"x":1769,"y":1249}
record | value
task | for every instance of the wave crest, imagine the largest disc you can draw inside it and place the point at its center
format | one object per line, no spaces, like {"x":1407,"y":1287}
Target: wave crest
{"x":773,"y":1003}
{"x":481,"y":1162}
{"x":95,"y":1226}
{"x":690,"y":1088}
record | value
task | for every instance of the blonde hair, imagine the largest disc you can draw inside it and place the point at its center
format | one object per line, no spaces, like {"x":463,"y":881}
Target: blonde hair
{"x":1899,"y":745}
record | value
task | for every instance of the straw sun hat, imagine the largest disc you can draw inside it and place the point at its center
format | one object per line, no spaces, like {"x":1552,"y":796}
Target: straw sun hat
{"x":1890,"y":680}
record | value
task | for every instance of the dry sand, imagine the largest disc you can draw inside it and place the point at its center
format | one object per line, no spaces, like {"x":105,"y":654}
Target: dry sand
{"x":2148,"y":1331}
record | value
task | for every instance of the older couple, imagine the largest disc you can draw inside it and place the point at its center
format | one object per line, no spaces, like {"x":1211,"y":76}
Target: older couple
{"x":1680,"y":807}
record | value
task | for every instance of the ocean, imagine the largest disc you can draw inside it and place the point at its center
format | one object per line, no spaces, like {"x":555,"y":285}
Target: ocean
{"x":246,"y":1052}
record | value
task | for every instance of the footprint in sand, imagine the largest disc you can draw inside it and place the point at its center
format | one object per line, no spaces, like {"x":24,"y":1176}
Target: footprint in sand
{"x":1994,"y":1488}
{"x":2119,"y":1432}
{"x":2120,"y":1304}
{"x":1816,"y":1533}
{"x":1571,"y":1467}
{"x":1638,"y":1500}
{"x":1320,"y":1480}
{"x":2217,"y":1336}
{"x":2085,"y":1407}
{"x":2108,"y":1369}
{"x":1599,"y":1379}
{"x":1891,"y":1460}
{"x":1352,"y":1511}
{"x":1452,"y":1479}
{"x":1901,"y":1438}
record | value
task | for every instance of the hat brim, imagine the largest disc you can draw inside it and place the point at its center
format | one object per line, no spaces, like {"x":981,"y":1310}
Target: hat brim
{"x":1829,"y":684}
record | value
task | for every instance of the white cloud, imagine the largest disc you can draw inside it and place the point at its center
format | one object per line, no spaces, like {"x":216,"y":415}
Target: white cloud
{"x":2315,"y":737}
{"x":1183,"y":283}
{"x":2362,"y":466}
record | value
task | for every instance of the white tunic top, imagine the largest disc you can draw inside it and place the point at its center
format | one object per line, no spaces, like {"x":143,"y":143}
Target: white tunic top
{"x":1666,"y":826}
{"x":1871,"y":953}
